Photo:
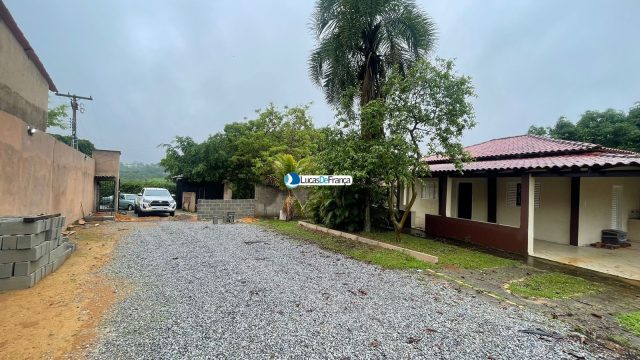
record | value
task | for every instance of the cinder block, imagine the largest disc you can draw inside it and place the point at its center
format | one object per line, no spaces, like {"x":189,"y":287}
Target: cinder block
{"x":6,"y":270}
{"x":27,"y":267}
{"x":39,"y":274}
{"x":32,"y":254}
{"x":9,"y":242}
{"x":47,"y":224}
{"x":56,"y":253}
{"x":17,"y":282}
{"x":15,"y":226}
{"x":48,"y":269}
{"x":29,"y":241}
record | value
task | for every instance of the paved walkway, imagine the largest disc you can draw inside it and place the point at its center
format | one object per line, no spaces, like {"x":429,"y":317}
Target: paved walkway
{"x":621,"y":262}
{"x":241,"y":292}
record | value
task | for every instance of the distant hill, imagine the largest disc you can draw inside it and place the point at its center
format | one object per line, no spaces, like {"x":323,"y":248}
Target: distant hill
{"x":140,"y":171}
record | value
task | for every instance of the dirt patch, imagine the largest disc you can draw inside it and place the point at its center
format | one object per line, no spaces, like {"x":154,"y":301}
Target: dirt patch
{"x":57,"y":318}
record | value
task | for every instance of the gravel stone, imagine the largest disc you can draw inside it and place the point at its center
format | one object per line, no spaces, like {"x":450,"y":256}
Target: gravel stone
{"x":239,"y":291}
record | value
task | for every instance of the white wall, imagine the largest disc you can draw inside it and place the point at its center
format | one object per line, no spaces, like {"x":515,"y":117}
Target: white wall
{"x":479,"y":197}
{"x":552,"y":220}
{"x":506,"y":215}
{"x":595,"y":205}
{"x":421,"y":207}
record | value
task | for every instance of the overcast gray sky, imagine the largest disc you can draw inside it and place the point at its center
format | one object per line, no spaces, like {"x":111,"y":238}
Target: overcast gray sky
{"x":163,"y":68}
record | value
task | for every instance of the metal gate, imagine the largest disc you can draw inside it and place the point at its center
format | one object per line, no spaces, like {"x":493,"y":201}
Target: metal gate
{"x":106,"y":196}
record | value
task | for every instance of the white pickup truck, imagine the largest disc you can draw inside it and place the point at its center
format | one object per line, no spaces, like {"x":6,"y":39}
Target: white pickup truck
{"x":155,"y":200}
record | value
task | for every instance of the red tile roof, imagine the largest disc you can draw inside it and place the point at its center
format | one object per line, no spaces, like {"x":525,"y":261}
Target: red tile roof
{"x":528,"y":152}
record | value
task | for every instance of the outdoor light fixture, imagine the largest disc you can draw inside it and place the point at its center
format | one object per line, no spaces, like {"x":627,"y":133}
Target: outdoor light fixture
{"x":31,"y":130}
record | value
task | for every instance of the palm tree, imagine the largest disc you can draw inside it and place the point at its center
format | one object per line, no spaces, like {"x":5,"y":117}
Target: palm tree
{"x":359,"y":41}
{"x":284,"y":164}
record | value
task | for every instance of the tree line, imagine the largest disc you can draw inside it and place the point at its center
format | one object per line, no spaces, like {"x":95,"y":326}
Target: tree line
{"x":610,"y":128}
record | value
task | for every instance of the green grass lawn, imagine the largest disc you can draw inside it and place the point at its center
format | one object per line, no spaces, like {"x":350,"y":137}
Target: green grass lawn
{"x":630,"y":321}
{"x":553,"y":285}
{"x":385,"y":258}
{"x":448,"y":254}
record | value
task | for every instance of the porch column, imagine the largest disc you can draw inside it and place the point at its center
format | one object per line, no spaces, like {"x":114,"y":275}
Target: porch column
{"x":448,"y":198}
{"x":527,"y":209}
{"x":492,"y":199}
{"x":442,"y":195}
{"x":574,"y":222}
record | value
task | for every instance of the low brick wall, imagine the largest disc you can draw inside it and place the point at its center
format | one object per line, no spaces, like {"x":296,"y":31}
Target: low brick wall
{"x":207,"y":209}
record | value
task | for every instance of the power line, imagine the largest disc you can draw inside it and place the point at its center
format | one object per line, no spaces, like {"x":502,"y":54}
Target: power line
{"x":74,"y":107}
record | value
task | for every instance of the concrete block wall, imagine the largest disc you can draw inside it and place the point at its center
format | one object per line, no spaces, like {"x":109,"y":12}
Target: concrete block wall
{"x":207,"y":209}
{"x":269,"y":200}
{"x":29,"y":251}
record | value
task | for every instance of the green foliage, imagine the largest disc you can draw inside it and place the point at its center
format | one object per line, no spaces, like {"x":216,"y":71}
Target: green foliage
{"x":388,"y":259}
{"x":243,"y":153}
{"x":57,"y":117}
{"x":552,"y":285}
{"x":284,"y":164}
{"x":630,"y":321}
{"x":610,"y":128}
{"x":359,"y":41}
{"x":425,"y":112}
{"x":448,"y":254}
{"x":135,"y":186}
{"x":254,"y":144}
{"x":84,"y":146}
{"x":140,"y":171}
{"x":199,"y":162}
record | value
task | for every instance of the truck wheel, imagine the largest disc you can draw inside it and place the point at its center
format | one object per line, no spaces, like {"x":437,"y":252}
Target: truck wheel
{"x":173,"y":213}
{"x":130,"y":207}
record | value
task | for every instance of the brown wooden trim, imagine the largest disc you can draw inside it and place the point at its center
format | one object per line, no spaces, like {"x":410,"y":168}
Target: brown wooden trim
{"x":575,"y":211}
{"x":492,"y":199}
{"x":442,"y":195}
{"x":506,"y":238}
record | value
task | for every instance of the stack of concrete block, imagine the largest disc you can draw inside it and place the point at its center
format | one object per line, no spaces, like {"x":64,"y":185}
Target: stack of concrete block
{"x":30,"y":249}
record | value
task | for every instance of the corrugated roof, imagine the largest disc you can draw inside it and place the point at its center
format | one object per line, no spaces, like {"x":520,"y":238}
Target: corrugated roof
{"x":529,"y":152}
{"x":6,"y":17}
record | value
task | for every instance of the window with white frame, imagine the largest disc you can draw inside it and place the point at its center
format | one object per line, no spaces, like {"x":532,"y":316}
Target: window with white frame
{"x":428,"y":190}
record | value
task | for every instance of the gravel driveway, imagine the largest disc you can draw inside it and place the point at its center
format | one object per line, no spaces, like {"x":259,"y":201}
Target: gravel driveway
{"x":239,"y":291}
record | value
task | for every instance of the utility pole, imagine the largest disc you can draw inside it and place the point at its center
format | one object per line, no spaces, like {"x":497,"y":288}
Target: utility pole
{"x":74,"y":108}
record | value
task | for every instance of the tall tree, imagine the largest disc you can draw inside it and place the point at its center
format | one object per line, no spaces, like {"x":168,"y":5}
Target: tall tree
{"x":427,"y":111}
{"x":358,"y":43}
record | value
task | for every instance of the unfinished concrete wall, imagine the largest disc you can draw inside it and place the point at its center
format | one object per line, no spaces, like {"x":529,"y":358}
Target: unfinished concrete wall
{"x":207,"y":209}
{"x":23,"y":90}
{"x":107,"y":163}
{"x":269,"y":200}
{"x":40,"y":175}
